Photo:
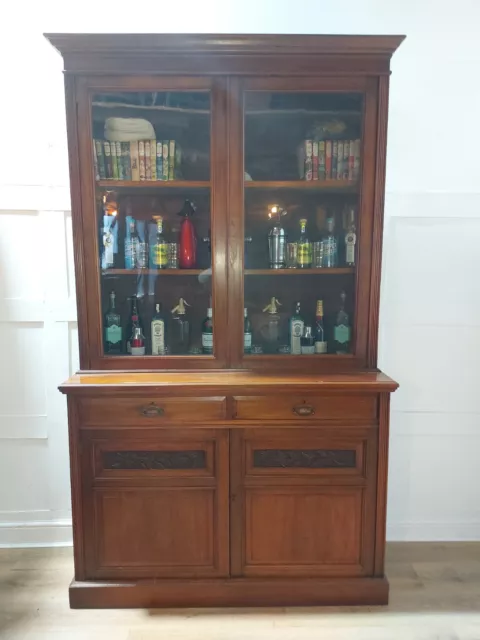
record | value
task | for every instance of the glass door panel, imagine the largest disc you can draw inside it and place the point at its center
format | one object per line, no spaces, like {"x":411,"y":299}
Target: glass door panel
{"x":152,"y":183}
{"x":302,"y":177}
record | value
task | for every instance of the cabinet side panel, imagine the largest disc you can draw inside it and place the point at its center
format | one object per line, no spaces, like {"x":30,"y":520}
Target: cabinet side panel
{"x":76,"y":489}
{"x":382,"y":484}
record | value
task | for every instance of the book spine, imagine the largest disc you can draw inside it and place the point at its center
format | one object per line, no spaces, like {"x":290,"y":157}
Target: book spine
{"x":351,"y":159}
{"x":315,"y":159}
{"x":308,"y":160}
{"x":178,"y":162}
{"x":108,"y":160}
{"x":100,"y":159}
{"x":95,"y":161}
{"x":334,"y":159}
{"x":153,"y":159}
{"x":113,"y":153}
{"x":148,"y":160}
{"x":118,"y":148}
{"x":165,"y":159}
{"x":328,"y":160}
{"x":171,"y":160}
{"x":127,"y":171}
{"x":340,"y":160}
{"x":356,"y":160}
{"x":141,"y":159}
{"x":346,"y":155}
{"x":321,"y":160}
{"x":134,"y":163}
{"x":159,"y":160}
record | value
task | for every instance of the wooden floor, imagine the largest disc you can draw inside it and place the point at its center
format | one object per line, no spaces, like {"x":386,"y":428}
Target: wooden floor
{"x":435,"y":594}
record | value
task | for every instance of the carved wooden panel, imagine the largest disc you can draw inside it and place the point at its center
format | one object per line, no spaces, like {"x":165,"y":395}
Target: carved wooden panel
{"x":154,"y":459}
{"x":304,"y":458}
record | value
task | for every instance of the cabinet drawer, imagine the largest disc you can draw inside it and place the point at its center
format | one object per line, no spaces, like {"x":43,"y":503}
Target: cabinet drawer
{"x":304,"y":408}
{"x":151,"y":410}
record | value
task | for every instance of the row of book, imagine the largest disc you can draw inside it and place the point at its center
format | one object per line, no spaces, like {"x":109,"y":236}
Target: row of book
{"x":137,"y":161}
{"x":332,"y":160}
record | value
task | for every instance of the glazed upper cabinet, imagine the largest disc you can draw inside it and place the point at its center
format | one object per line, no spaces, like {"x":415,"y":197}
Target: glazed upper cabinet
{"x":227,"y":222}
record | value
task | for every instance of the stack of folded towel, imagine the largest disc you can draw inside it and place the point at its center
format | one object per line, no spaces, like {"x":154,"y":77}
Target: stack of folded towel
{"x":128,"y":129}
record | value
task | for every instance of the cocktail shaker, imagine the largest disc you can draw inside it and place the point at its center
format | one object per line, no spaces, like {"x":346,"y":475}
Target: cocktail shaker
{"x":277,"y":245}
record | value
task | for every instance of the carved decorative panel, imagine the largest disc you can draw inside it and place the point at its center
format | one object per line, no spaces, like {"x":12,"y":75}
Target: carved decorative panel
{"x":304,"y":458}
{"x":154,"y":460}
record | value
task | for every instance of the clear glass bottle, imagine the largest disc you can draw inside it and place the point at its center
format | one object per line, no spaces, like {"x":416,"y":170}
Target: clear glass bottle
{"x":304,"y":247}
{"x":307,"y":342}
{"x":330,"y":248}
{"x":342,"y":330}
{"x":350,"y":238}
{"x":113,"y":328}
{"x":296,"y":326}
{"x":160,"y":249}
{"x":320,"y":342}
{"x":180,"y":329}
{"x":207,"y":332}
{"x":247,"y":332}
{"x":158,"y":332}
{"x":270,"y":331}
{"x":131,"y":244}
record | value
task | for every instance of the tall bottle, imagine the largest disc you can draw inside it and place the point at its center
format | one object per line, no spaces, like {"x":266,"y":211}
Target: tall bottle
{"x":188,"y":242}
{"x":342,"y":330}
{"x":207,"y":332}
{"x":320,"y":342}
{"x":296,"y":326}
{"x":160,"y":253}
{"x":350,"y":239}
{"x":158,"y":331}
{"x":270,"y":331}
{"x":133,"y":321}
{"x":304,"y":247}
{"x":113,"y":328}
{"x":330,"y":248}
{"x":277,"y":239}
{"x":247,"y":332}
{"x":131,"y":244}
{"x":180,"y":329}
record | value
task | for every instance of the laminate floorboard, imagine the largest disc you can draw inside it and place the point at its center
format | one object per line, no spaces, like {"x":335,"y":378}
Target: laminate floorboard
{"x":435,"y":595}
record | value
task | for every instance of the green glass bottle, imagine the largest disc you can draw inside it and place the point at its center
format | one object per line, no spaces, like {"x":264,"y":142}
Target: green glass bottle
{"x":304,"y":247}
{"x":296,"y":326}
{"x":160,"y":253}
{"x":207,"y":332}
{"x":342,"y":330}
{"x":113,"y":328}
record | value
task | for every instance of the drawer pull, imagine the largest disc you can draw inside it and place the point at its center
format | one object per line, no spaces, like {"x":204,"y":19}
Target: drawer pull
{"x":152,"y":411}
{"x":304,"y":410}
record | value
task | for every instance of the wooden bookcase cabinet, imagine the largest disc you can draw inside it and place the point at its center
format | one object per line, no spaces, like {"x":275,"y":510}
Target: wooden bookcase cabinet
{"x":208,"y":480}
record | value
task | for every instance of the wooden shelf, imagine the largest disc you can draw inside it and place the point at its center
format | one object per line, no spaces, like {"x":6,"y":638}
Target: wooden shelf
{"x":320,"y":185}
{"x":300,"y":272}
{"x":154,"y":184}
{"x":158,"y":272}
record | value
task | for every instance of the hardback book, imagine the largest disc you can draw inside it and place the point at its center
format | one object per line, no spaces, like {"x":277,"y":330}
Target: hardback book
{"x":356,"y":160}
{"x":95,"y":161}
{"x":334,"y":159}
{"x":159,"y":160}
{"x":141,"y":159}
{"x":328,"y":159}
{"x":100,"y":159}
{"x":153,"y":159}
{"x":113,"y":153}
{"x":121,"y":175}
{"x":148,"y":160}
{"x":171,"y":160}
{"x":351,"y":159}
{"x":346,"y":155}
{"x":134,"y":161}
{"x":321,"y":160}
{"x":108,"y":160}
{"x":340,"y":160}
{"x":165,"y":159}
{"x":127,"y":169}
{"x":308,"y":160}
{"x":315,"y":160}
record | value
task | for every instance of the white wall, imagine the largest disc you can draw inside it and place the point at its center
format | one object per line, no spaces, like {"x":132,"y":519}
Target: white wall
{"x":430,"y":309}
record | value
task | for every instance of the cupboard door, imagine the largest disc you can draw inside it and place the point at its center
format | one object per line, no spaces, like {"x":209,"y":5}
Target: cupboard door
{"x":156,"y":504}
{"x":303,"y":502}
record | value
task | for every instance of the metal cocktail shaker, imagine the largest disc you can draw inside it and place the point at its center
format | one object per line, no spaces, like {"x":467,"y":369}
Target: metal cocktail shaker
{"x":277,"y":245}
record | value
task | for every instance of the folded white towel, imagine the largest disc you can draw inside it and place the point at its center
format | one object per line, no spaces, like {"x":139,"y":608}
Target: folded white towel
{"x":128,"y":129}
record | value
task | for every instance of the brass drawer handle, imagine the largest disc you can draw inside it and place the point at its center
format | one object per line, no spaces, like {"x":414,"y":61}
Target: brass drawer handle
{"x":151,"y":411}
{"x":304,"y":410}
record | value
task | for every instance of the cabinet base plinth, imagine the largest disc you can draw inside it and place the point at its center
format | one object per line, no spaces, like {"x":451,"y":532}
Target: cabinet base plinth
{"x":240,"y":592}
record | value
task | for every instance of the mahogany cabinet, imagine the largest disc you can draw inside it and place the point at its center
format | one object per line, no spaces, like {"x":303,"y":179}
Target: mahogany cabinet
{"x":229,"y":426}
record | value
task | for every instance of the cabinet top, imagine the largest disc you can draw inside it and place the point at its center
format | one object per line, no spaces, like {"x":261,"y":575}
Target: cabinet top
{"x":225,"y":382}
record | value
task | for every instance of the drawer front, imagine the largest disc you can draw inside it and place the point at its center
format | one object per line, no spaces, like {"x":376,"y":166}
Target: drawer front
{"x":305,"y":408}
{"x":150,"y":411}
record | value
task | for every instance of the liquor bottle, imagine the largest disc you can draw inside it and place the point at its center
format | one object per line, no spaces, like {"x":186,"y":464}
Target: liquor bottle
{"x":179,"y":334}
{"x":307,"y":342}
{"x":330,"y":249}
{"x":188,"y":241}
{"x":270,"y":331}
{"x":304,"y":247}
{"x":320,"y":342}
{"x":207,"y":332}
{"x":113,"y":328}
{"x":341,"y":331}
{"x":350,"y":239}
{"x":131,"y":244}
{"x":158,"y":335}
{"x":137,"y":342}
{"x":160,"y":253}
{"x":134,"y":321}
{"x":277,"y":238}
{"x":247,"y":332}
{"x":296,"y":326}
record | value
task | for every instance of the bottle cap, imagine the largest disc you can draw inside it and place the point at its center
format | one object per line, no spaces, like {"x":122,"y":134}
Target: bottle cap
{"x":180,"y":308}
{"x":303,"y":222}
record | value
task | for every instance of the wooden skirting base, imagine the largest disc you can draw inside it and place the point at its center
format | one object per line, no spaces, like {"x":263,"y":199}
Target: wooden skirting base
{"x":240,"y":592}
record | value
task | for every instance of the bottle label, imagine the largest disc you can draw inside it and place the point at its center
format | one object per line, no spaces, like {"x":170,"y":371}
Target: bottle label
{"x":320,"y":347}
{"x":247,"y":340}
{"x":350,"y":241}
{"x":108,"y":249}
{"x":160,"y":255}
{"x":158,"y":338}
{"x":114,"y":334}
{"x":297,"y":328}
{"x":330,"y":252}
{"x":341,"y":333}
{"x":308,"y":350}
{"x":131,"y":253}
{"x":142,"y":255}
{"x":207,"y":340}
{"x":137,"y":351}
{"x":304,"y":254}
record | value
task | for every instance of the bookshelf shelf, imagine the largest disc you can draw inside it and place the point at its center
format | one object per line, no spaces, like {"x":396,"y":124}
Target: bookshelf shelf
{"x":311,"y":185}
{"x":157,"y":272}
{"x":153,"y":184}
{"x":300,"y":272}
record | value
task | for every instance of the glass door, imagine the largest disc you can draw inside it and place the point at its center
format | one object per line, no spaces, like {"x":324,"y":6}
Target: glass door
{"x":303,"y":154}
{"x":151,"y":155}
